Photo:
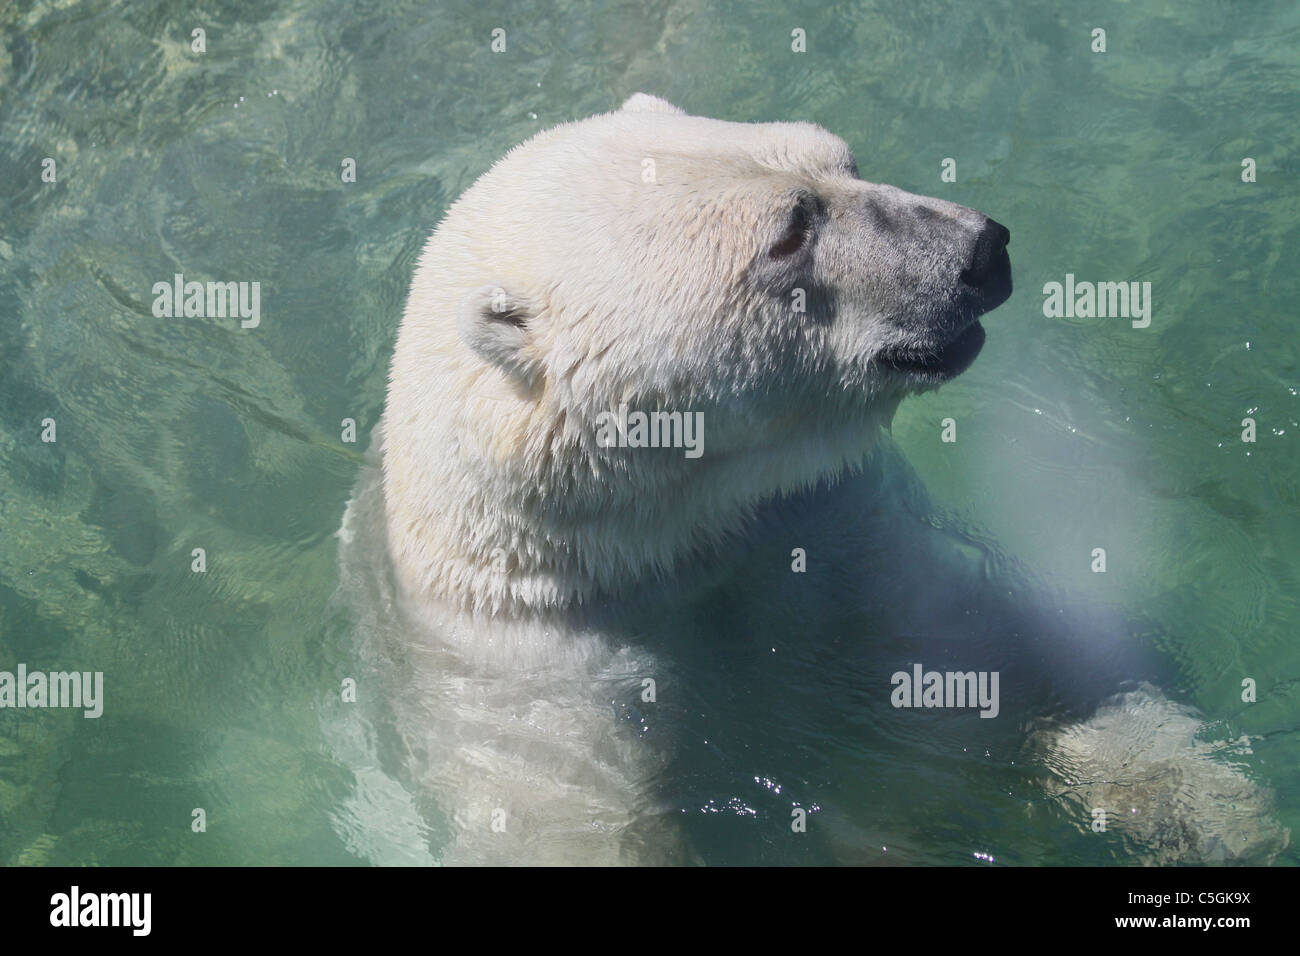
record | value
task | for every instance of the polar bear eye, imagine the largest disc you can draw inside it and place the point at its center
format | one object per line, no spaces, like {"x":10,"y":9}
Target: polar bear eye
{"x":796,"y":232}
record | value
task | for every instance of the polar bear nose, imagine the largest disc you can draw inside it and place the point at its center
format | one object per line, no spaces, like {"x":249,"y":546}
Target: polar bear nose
{"x":989,"y":263}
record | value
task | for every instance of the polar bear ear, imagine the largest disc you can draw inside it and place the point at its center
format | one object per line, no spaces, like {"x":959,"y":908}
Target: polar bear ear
{"x":492,"y":323}
{"x":645,"y":103}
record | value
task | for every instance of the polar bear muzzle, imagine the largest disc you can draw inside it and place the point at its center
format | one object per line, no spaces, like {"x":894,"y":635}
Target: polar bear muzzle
{"x":940,"y":343}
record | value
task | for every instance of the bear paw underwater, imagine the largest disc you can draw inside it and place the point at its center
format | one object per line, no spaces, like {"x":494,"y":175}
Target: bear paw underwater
{"x":1140,"y":763}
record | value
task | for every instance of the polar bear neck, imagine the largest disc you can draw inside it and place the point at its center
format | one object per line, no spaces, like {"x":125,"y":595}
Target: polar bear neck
{"x":524,"y":535}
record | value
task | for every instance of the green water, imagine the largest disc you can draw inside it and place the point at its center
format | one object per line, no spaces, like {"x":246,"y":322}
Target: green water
{"x":183,"y":433}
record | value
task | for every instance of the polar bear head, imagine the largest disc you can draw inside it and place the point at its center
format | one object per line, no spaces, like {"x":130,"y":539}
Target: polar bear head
{"x":740,"y":277}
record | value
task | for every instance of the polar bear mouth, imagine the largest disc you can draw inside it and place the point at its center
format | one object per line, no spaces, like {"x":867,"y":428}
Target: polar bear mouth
{"x":943,"y":362}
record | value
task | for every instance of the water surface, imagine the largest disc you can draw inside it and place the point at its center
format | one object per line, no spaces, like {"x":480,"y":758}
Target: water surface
{"x":183,"y":433}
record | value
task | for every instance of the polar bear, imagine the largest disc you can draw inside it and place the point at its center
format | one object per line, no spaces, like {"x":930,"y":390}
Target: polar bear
{"x":645,"y":258}
{"x":740,"y":277}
